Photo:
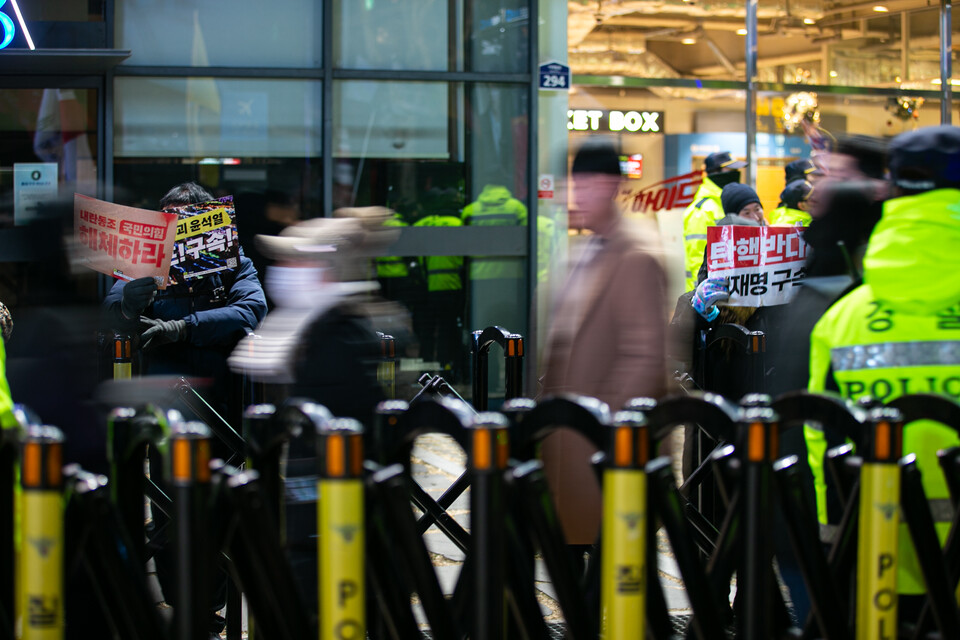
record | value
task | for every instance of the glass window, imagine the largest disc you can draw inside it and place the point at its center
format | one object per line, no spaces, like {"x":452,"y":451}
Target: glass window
{"x":48,"y":147}
{"x":448,"y":159}
{"x":220,"y":33}
{"x":498,"y":38}
{"x":199,"y":117}
{"x":391,"y":34}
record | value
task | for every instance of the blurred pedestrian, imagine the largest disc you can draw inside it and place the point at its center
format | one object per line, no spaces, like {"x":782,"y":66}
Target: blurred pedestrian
{"x":607,"y":337}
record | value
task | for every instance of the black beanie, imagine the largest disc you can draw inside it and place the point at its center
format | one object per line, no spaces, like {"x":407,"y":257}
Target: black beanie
{"x":597,"y":156}
{"x":736,"y":196}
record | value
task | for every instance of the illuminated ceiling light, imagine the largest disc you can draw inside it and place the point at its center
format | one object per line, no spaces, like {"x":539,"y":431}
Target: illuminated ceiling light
{"x":689,"y":41}
{"x":741,"y":32}
{"x":809,"y":21}
{"x":954,"y":82}
{"x":833,"y":74}
{"x":879,"y":8}
{"x":23,"y":25}
{"x":897,"y":79}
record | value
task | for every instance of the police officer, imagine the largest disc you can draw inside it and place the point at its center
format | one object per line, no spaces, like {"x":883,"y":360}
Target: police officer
{"x":794,"y":203}
{"x":706,"y":210}
{"x":443,"y":311}
{"x":899,"y":332}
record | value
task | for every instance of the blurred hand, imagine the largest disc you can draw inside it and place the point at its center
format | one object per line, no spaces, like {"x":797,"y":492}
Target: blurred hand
{"x":137,"y":296}
{"x":708,"y":294}
{"x":162,"y":332}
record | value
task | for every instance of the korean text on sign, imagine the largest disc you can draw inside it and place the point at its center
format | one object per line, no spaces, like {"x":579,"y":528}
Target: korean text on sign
{"x":206,"y":240}
{"x":123,"y":242}
{"x":764,"y":265}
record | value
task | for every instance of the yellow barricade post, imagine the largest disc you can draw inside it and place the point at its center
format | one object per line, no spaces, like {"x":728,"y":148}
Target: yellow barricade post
{"x":340,"y":531}
{"x":879,"y":522}
{"x":122,"y":357}
{"x":623,"y":566}
{"x":40,"y":597}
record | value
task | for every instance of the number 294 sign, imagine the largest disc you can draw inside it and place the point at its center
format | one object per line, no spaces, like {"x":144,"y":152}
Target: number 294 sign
{"x":554,"y":76}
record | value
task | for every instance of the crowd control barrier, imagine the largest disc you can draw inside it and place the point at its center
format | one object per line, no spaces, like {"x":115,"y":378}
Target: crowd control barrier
{"x":371,"y":557}
{"x":512,"y":345}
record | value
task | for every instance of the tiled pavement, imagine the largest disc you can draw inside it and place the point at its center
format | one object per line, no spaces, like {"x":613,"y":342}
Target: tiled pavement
{"x":437,"y":462}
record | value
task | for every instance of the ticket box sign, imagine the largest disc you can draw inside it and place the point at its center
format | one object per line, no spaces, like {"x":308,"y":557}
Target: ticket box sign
{"x":764,"y":265}
{"x":124,"y":242}
{"x":554,"y":76}
{"x":615,"y":121}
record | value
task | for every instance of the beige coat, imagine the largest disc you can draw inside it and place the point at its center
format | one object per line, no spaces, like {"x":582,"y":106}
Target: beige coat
{"x":608,"y":341}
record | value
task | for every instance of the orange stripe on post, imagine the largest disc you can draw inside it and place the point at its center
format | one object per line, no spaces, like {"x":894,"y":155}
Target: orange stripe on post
{"x":336,"y":461}
{"x":755,"y":442}
{"x":31,"y":464}
{"x":203,"y":461}
{"x":356,"y":455}
{"x":503,"y":449}
{"x":181,"y":460}
{"x":511,"y":347}
{"x":643,"y":445}
{"x":622,"y":445}
{"x":881,"y":443}
{"x":54,"y":464}
{"x":482,"y":456}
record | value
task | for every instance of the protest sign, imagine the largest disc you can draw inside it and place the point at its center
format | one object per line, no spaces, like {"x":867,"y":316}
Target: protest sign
{"x":206,"y":240}
{"x":764,"y":265}
{"x":123,"y":242}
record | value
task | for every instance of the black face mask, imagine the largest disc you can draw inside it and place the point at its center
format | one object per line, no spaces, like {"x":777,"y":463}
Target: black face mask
{"x":725,"y":177}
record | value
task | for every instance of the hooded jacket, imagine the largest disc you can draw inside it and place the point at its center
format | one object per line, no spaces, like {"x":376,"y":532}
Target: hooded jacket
{"x":896,"y":334}
{"x":703,"y":212}
{"x":495,"y":206}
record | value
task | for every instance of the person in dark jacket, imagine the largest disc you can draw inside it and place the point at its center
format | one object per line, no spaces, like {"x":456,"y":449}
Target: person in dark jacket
{"x":189,"y":329}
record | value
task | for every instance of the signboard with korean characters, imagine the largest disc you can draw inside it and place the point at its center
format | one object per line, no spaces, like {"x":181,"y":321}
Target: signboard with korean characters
{"x":124,"y":242}
{"x":764,"y":265}
{"x":206,"y":240}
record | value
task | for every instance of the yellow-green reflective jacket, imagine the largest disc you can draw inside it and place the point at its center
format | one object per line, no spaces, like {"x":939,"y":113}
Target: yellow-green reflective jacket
{"x":392,"y":266}
{"x":495,"y":207}
{"x":784,"y":216}
{"x":443,"y":272}
{"x":703,"y":212}
{"x":896,"y":334}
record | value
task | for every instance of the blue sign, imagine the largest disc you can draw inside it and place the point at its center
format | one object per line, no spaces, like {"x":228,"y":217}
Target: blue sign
{"x":554,"y":76}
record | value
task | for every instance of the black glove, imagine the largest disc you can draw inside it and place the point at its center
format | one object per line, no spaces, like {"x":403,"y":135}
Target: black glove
{"x":162,"y":332}
{"x":137,"y":296}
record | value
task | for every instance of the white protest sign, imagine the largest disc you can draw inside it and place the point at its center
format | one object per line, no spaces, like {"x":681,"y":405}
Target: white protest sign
{"x":764,"y":265}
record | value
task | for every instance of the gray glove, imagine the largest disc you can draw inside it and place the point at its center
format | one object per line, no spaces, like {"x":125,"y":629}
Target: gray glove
{"x":137,"y":296}
{"x":162,"y":332}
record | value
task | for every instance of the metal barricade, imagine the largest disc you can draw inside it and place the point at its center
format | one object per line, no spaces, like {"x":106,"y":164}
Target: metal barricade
{"x":512,"y":344}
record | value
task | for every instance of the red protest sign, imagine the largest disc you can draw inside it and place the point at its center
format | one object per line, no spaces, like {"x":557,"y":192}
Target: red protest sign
{"x":123,"y":242}
{"x":764,"y":265}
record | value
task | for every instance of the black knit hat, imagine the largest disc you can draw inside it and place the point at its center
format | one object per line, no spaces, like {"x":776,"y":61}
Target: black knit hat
{"x":597,"y":156}
{"x":736,"y":196}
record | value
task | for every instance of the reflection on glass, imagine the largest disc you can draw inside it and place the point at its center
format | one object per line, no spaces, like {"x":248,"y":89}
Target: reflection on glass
{"x":391,"y":34}
{"x":199,"y":117}
{"x":202,"y":33}
{"x":48,"y":146}
{"x":498,"y":35}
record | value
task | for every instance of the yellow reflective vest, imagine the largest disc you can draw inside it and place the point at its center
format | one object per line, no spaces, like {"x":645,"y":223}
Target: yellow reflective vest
{"x":443,"y":272}
{"x":495,"y":207}
{"x":899,"y":333}
{"x":703,"y":212}
{"x":784,"y":216}
{"x":392,"y":266}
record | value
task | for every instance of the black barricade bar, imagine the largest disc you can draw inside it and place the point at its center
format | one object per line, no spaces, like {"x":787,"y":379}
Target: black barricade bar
{"x":512,"y":344}
{"x":755,"y":583}
{"x":41,"y":592}
{"x":190,"y":479}
{"x":487,"y":459}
